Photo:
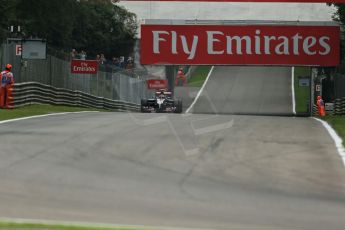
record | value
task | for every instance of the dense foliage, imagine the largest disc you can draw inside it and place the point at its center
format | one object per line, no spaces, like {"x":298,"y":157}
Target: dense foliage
{"x":340,"y":17}
{"x":340,"y":13}
{"x":96,"y":26}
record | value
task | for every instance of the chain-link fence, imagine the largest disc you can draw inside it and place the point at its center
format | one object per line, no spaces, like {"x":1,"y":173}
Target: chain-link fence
{"x":339,"y":85}
{"x":110,"y":81}
{"x":339,"y":81}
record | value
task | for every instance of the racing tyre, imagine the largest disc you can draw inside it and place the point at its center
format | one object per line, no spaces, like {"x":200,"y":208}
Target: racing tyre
{"x":143,"y":104}
{"x":178,"y":106}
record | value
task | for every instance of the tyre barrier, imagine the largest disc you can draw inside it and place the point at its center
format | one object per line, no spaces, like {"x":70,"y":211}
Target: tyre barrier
{"x":339,"y":106}
{"x":315,"y":111}
{"x":28,"y":93}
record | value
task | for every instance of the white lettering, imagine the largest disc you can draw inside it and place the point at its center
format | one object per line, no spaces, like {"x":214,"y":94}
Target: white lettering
{"x":174,"y":42}
{"x":257,"y":42}
{"x":268,"y":40}
{"x":211,"y":40}
{"x":325,"y":45}
{"x":296,"y":39}
{"x":185,"y":47}
{"x":84,"y":69}
{"x":309,"y":43}
{"x":157,"y":39}
{"x":239,"y":41}
{"x":283,"y":47}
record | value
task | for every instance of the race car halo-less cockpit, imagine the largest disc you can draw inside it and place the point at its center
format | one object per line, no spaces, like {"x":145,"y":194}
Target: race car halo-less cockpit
{"x":163,"y":102}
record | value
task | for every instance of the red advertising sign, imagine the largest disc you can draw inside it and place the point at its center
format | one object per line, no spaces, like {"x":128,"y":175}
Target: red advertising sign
{"x":240,"y":45}
{"x":156,"y":83}
{"x":84,"y":66}
{"x":19,"y":49}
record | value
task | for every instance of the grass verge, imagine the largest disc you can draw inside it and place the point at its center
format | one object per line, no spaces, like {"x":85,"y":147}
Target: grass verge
{"x":38,"y":226}
{"x":199,"y":76}
{"x":32,"y":110}
{"x":302,"y":93}
{"x":338,"y":123}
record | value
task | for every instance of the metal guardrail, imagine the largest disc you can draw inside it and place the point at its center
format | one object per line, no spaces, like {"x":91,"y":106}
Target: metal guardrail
{"x":339,"y":106}
{"x":34,"y":92}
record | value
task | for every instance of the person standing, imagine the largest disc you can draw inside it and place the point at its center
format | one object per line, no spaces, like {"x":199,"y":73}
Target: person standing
{"x":115,"y":62}
{"x":6,"y":87}
{"x":98,"y":58}
{"x":103,"y":59}
{"x":82,"y":55}
{"x":180,"y":76}
{"x":320,"y":106}
{"x":73,"y":54}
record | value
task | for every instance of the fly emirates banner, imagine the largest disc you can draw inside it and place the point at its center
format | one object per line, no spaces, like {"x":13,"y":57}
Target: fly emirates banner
{"x":240,"y":45}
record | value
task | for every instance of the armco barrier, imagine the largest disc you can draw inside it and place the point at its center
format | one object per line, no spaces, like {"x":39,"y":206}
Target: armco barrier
{"x":33,"y":92}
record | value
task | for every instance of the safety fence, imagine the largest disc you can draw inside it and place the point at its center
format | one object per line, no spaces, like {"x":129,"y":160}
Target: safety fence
{"x":339,"y":106}
{"x":37,"y":93}
{"x":110,"y":82}
{"x":339,"y":85}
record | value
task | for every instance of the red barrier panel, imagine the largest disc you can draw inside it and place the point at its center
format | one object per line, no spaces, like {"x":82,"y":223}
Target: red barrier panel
{"x":156,"y":83}
{"x":84,"y":66}
{"x":240,"y":45}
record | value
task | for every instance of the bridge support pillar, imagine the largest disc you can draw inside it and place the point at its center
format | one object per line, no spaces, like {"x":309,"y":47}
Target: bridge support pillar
{"x":170,"y":75}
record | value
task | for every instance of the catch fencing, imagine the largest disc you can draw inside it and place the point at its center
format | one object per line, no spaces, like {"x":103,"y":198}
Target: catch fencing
{"x":110,"y":82}
{"x":33,"y":92}
{"x":339,"y":85}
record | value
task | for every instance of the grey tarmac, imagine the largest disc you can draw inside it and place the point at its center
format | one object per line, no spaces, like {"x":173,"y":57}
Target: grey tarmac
{"x":210,"y":171}
{"x":253,"y":90}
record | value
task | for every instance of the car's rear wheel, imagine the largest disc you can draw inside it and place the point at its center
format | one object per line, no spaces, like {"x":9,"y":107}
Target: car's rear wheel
{"x":178,"y":106}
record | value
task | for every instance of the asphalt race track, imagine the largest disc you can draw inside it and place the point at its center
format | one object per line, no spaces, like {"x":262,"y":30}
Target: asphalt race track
{"x":206,"y":171}
{"x":247,"y":90}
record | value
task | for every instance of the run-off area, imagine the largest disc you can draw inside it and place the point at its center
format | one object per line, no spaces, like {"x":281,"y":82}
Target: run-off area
{"x":251,"y":90}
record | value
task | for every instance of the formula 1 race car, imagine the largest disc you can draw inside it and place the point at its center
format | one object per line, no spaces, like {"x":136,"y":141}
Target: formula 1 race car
{"x":161,"y":103}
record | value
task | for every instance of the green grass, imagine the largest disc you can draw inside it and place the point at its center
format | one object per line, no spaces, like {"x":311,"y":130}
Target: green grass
{"x":338,"y":123}
{"x":302,"y":93}
{"x":199,"y":76}
{"x":32,"y":110}
{"x":37,"y":226}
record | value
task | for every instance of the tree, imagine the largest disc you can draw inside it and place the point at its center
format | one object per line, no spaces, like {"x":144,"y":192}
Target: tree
{"x":340,"y":12}
{"x":3,"y":22}
{"x":8,"y":17}
{"x":339,"y":16}
{"x":97,"y":26}
{"x":105,"y":27}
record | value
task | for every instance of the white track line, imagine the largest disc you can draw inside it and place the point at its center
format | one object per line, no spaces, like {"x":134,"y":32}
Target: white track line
{"x":337,"y":140}
{"x":200,"y":91}
{"x":293,"y":90}
{"x":44,"y":115}
{"x":88,"y":224}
